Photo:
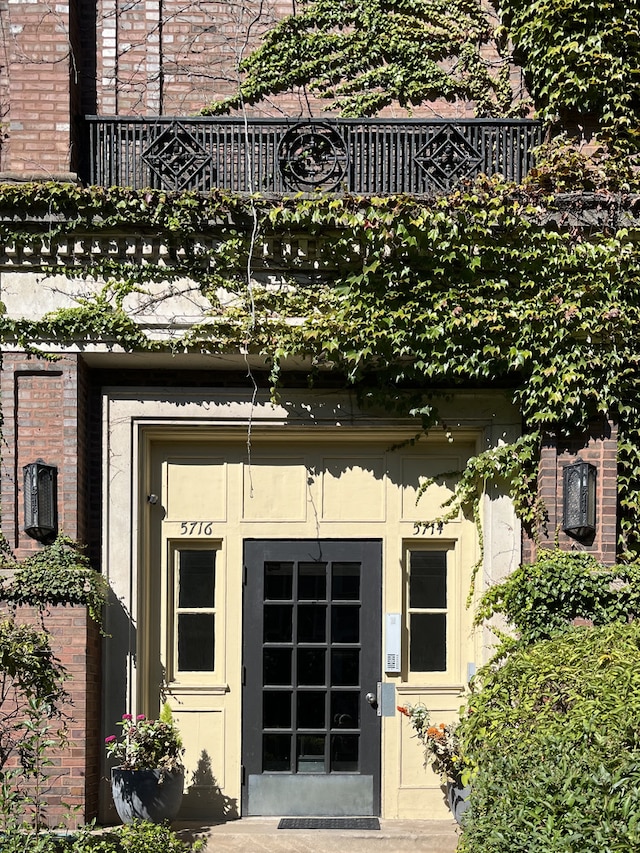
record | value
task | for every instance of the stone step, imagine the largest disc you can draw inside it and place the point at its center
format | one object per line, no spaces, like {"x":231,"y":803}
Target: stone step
{"x":263,"y":836}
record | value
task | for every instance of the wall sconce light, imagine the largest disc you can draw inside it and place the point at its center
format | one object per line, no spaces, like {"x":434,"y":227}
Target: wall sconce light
{"x":41,"y":501}
{"x":579,"y":499}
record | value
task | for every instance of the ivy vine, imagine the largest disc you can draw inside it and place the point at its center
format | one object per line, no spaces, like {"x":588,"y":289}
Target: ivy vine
{"x":494,"y":285}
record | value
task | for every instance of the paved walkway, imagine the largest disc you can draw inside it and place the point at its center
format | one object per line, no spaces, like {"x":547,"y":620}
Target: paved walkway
{"x":263,"y":836}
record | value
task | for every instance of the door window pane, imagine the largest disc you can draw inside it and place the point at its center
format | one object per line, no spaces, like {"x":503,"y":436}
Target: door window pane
{"x":311,"y":709}
{"x":278,"y":581}
{"x":276,"y":753}
{"x":310,"y":749}
{"x":278,"y":623}
{"x":345,"y":710}
{"x":344,"y":753}
{"x":276,"y":666}
{"x":311,"y":666}
{"x":312,"y":581}
{"x":312,"y":623}
{"x":345,"y":624}
{"x":345,"y":583}
{"x":276,"y":709}
{"x":345,"y":667}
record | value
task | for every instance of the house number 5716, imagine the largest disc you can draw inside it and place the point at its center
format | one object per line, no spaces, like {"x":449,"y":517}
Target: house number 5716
{"x":196,"y":528}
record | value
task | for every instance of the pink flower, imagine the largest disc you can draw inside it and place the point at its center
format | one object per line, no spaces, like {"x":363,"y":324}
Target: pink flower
{"x":110,"y":739}
{"x":127,"y":717}
{"x":141,"y":717}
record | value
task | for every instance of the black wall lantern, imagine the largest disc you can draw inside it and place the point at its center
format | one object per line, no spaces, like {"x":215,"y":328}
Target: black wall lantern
{"x":41,"y":501}
{"x":579,"y":500}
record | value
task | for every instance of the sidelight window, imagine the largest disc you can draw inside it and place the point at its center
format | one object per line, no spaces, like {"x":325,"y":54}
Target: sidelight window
{"x":427,"y":610}
{"x":194,"y":610}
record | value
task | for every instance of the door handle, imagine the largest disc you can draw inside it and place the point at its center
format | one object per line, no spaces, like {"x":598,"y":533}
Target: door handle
{"x":371,"y":699}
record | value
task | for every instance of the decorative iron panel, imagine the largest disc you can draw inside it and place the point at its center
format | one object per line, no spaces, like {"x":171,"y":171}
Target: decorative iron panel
{"x":274,"y":156}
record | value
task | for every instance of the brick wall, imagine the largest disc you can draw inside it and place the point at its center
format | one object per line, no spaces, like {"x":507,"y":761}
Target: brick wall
{"x":599,"y":447}
{"x":37,"y":47}
{"x":74,"y":774}
{"x":44,"y":418}
{"x":44,"y":410}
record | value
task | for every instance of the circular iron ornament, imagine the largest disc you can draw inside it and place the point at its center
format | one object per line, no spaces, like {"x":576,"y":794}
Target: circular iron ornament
{"x":313,"y":155}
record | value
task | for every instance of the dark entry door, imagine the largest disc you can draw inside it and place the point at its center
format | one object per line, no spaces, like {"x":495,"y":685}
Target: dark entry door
{"x":312,"y":634}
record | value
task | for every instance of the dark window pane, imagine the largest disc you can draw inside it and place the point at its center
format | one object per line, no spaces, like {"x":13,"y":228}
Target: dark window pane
{"x":428,"y":579}
{"x":311,"y":709}
{"x":312,"y":623}
{"x":312,"y":581}
{"x":344,"y":753}
{"x":345,"y":624}
{"x":276,"y":709}
{"x":428,"y":642}
{"x":311,"y":666}
{"x":197,"y":579}
{"x":345,"y":667}
{"x":196,"y":642}
{"x":277,"y":623}
{"x":345,"y":710}
{"x":345,"y":581}
{"x":277,"y":666}
{"x":276,"y":753}
{"x":278,"y":581}
{"x":310,"y":750}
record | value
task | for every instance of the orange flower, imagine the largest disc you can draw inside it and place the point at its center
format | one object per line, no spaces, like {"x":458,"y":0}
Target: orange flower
{"x":404,"y":711}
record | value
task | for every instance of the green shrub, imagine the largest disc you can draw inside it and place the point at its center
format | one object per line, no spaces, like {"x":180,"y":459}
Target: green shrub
{"x":540,"y":599}
{"x":553,"y":737}
{"x":138,"y":837}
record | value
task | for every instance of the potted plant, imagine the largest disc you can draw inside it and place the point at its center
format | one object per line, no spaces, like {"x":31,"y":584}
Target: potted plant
{"x":148,"y":782}
{"x":442,"y":752}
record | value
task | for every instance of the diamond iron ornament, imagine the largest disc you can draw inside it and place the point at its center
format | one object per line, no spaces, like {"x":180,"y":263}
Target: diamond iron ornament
{"x":178,"y":160}
{"x":448,"y":157}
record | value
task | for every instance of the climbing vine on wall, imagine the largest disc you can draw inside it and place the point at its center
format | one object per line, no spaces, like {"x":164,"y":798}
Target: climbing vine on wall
{"x":494,"y":285}
{"x":363,"y":55}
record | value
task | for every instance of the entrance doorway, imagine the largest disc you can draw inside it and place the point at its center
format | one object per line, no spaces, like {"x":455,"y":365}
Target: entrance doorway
{"x":312,"y":659}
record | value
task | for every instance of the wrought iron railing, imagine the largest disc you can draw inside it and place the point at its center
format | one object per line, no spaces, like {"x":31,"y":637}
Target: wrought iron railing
{"x":363,"y":156}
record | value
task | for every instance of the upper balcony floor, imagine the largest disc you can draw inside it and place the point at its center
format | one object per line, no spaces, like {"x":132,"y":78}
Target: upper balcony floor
{"x":284,"y":156}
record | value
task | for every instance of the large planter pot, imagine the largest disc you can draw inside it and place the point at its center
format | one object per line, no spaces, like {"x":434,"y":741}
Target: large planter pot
{"x":458,"y":798}
{"x":146,"y":794}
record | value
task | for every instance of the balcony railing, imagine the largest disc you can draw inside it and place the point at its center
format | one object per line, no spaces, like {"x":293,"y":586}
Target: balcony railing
{"x":275,"y":156}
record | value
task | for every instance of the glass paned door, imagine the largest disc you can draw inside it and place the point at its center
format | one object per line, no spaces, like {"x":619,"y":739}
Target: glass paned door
{"x":312,"y":625}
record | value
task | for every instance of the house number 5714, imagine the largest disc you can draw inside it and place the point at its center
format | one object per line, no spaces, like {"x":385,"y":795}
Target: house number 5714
{"x":196,"y":528}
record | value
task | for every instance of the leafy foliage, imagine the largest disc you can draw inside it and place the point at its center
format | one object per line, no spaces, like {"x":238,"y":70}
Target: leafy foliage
{"x":147,"y":744}
{"x":56,"y":574}
{"x":581,"y":57}
{"x":494,"y":285}
{"x":138,"y":837}
{"x":363,"y":55}
{"x":542,"y":599}
{"x":553,"y":735}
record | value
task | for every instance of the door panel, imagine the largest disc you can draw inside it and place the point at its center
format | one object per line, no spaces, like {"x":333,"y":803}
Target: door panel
{"x":312,"y":617}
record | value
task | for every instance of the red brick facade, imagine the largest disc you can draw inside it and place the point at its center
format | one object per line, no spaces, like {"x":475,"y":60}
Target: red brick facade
{"x":71,"y":791}
{"x":142,"y":58}
{"x":44,"y":410}
{"x":599,"y":447}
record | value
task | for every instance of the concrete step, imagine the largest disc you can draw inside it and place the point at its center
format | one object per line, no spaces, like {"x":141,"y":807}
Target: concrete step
{"x":263,"y":836}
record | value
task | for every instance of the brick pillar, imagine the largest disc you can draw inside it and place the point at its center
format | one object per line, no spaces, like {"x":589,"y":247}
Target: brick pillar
{"x":599,"y":447}
{"x":37,"y":38}
{"x":44,"y":412}
{"x":44,"y":405}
